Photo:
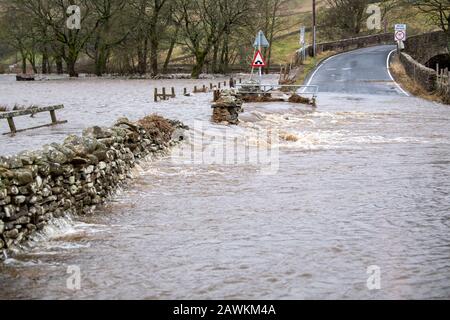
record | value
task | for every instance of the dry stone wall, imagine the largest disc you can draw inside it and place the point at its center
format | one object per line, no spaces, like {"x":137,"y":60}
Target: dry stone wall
{"x":75,"y":176}
{"x":426,"y":77}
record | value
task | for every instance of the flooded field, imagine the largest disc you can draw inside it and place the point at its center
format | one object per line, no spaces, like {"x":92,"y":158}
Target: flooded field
{"x":92,"y":101}
{"x":361,"y":181}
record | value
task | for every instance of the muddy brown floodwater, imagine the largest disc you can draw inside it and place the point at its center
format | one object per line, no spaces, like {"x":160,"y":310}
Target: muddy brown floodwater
{"x":361,"y":181}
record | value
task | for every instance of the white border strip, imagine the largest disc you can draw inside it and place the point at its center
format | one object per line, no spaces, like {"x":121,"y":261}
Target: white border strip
{"x":317,"y":69}
{"x":387,"y":67}
{"x":390,"y":75}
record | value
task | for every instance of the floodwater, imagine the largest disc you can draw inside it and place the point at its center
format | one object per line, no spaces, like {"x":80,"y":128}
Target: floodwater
{"x":362,"y":181}
{"x":93,"y":101}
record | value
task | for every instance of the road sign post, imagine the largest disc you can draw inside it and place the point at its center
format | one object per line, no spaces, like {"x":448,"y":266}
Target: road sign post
{"x":400,"y":32}
{"x":400,"y":36}
{"x":258,"y":61}
{"x":314,"y":28}
{"x":302,"y":42}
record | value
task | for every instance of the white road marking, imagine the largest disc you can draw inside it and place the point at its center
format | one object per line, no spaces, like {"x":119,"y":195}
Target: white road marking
{"x":318,"y":68}
{"x":387,"y":67}
{"x":390,"y":75}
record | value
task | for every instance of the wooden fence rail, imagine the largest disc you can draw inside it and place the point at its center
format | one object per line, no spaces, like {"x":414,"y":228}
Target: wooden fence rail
{"x":204,"y":89}
{"x":9,"y":116}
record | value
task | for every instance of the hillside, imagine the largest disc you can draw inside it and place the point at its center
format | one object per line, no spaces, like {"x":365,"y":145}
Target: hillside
{"x":293,"y":15}
{"x":298,"y":13}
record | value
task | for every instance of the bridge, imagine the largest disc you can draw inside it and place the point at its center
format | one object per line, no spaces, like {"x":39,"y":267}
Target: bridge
{"x":364,"y":65}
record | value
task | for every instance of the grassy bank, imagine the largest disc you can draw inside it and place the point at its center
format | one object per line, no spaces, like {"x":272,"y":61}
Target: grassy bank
{"x":309,"y":64}
{"x":399,"y":74}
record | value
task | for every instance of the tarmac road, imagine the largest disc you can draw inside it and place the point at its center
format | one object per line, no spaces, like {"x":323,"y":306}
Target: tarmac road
{"x":362,"y":71}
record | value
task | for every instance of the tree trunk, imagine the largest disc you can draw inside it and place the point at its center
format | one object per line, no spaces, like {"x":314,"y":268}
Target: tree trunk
{"x":71,"y":69}
{"x":154,"y":55}
{"x":59,"y":65}
{"x":45,"y":64}
{"x":169,"y":53}
{"x":49,"y":66}
{"x":24,"y":63}
{"x":199,"y":63}
{"x":101,"y":59}
{"x":272,"y":31}
{"x":32,"y":60}
{"x":214,"y":58}
{"x":71,"y":61}
{"x":142,"y":58}
{"x":35,"y":70}
{"x":225,"y":56}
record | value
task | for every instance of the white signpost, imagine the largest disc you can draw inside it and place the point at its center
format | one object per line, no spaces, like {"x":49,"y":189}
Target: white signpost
{"x":258,"y":61}
{"x":400,"y":36}
{"x":302,"y":42}
{"x":400,"y":32}
{"x":302,"y":36}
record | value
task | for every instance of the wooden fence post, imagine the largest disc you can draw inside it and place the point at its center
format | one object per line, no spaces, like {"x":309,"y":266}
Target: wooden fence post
{"x":448,"y":87}
{"x":173,"y":92}
{"x":156,"y":94}
{"x":164,"y":93}
{"x":12,"y":126}
{"x":53,"y":116}
{"x":216,"y":95}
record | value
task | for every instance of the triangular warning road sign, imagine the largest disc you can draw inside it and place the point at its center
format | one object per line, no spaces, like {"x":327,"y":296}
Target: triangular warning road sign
{"x":258,"y":60}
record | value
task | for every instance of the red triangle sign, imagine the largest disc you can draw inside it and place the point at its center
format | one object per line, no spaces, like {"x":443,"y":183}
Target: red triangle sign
{"x":258,"y":60}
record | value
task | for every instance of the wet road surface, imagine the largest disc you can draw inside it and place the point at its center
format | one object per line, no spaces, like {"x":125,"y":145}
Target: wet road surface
{"x":362,"y":71}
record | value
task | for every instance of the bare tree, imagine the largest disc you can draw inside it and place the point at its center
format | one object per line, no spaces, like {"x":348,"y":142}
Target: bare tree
{"x":151,"y":20}
{"x":18,"y":30}
{"x":272,"y":22}
{"x":437,"y":10}
{"x":109,"y":33}
{"x":204,"y":22}
{"x":131,"y":35}
{"x":344,"y":18}
{"x":53,"y":14}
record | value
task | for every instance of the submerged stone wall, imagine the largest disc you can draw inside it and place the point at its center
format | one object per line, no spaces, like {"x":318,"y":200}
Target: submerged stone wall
{"x":75,"y":176}
{"x":226,"y":107}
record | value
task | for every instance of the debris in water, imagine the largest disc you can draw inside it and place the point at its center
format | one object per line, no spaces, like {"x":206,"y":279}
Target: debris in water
{"x":258,"y":98}
{"x":288,"y":137}
{"x":295,"y":98}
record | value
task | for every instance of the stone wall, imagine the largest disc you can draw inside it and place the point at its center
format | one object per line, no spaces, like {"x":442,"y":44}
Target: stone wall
{"x":426,"y":77}
{"x":425,"y":46}
{"x":226,"y":107}
{"x":75,"y":176}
